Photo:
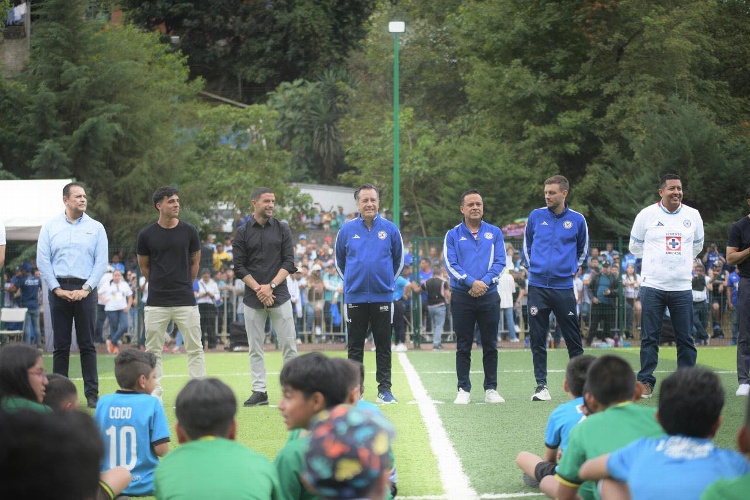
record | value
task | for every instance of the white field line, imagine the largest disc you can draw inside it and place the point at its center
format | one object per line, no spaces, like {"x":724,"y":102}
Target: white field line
{"x":455,"y":482}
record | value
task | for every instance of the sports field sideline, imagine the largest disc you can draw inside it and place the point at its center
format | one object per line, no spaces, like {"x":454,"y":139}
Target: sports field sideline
{"x":443,"y":451}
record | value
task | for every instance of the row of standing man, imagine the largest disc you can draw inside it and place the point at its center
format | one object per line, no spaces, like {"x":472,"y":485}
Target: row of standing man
{"x":72,"y":256}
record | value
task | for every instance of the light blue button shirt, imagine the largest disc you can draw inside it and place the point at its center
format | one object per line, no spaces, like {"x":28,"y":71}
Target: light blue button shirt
{"x":76,"y":249}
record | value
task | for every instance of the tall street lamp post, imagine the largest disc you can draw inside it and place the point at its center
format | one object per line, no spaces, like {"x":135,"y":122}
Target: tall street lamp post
{"x":396,"y":27}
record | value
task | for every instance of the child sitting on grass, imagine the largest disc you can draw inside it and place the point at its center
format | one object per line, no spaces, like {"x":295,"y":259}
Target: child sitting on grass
{"x":355,"y":373}
{"x":349,"y":455}
{"x":132,"y":422}
{"x":560,"y":422}
{"x":737,"y":488}
{"x":616,"y":421}
{"x":23,"y":380}
{"x":209,"y":463}
{"x":683,"y":463}
{"x":62,"y":396}
{"x":310,"y":384}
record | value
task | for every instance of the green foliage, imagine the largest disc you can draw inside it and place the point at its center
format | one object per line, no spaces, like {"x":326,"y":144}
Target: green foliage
{"x":309,"y":115}
{"x":231,"y":151}
{"x":101,"y":104}
{"x":598,"y":91}
{"x":245,"y":49}
{"x":683,"y":139}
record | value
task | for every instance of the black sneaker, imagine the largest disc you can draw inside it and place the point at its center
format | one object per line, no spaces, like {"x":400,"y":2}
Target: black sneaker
{"x":257,"y":399}
{"x":92,"y":400}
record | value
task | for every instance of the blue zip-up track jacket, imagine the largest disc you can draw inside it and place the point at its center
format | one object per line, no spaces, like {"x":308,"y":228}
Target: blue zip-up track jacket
{"x":554,"y":246}
{"x":468,"y":260}
{"x":369,"y":260}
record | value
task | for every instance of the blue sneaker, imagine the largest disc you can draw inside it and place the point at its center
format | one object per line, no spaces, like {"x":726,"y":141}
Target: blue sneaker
{"x":386,"y":398}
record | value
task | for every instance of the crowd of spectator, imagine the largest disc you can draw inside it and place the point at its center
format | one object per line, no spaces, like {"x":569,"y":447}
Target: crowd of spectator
{"x":606,"y":286}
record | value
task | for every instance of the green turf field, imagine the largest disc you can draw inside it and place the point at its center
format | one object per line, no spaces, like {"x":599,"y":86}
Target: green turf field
{"x":442,"y":450}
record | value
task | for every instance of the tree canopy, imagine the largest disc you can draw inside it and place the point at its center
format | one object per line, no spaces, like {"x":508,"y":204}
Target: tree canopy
{"x":245,"y":49}
{"x":495,"y":95}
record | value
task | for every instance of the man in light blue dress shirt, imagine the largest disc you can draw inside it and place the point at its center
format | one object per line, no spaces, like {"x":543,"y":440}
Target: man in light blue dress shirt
{"x":72,"y":255}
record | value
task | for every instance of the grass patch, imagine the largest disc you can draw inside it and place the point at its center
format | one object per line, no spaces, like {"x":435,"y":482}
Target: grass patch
{"x":485,"y":437}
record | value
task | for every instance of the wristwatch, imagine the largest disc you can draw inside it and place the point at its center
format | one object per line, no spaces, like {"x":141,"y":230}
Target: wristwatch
{"x":87,"y":288}
{"x":272,"y":285}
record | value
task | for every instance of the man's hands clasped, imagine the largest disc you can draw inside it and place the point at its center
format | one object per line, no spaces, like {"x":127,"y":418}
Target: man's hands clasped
{"x":265,"y":295}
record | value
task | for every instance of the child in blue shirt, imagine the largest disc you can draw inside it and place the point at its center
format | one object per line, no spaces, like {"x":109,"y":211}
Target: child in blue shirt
{"x":132,"y":422}
{"x":560,"y":421}
{"x":685,"y":461}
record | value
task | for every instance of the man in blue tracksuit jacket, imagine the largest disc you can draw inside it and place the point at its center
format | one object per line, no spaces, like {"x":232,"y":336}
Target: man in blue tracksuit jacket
{"x":369,"y":257}
{"x":555,"y":244}
{"x":474,"y":253}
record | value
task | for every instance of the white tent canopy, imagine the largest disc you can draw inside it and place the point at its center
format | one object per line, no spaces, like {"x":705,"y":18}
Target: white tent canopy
{"x":26,"y":205}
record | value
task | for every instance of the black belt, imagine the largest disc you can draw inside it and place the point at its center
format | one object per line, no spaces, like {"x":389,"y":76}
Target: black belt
{"x":71,"y":281}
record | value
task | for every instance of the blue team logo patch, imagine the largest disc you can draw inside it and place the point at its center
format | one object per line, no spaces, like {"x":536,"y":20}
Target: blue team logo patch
{"x":687,"y":223}
{"x":382,"y":235}
{"x":488,"y":236}
{"x":567,"y":224}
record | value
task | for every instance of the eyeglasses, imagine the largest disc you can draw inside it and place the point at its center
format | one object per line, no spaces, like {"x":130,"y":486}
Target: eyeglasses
{"x":38,"y":372}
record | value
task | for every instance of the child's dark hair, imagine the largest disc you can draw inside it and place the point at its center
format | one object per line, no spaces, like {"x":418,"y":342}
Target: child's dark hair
{"x":349,"y":371}
{"x":575,"y":373}
{"x":205,"y":407}
{"x":130,"y":364}
{"x":15,"y":362}
{"x":59,"y":390}
{"x":66,"y":446}
{"x":610,"y":380}
{"x":314,"y":372}
{"x":690,"y":402}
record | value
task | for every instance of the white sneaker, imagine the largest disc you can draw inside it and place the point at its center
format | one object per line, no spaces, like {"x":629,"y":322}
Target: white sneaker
{"x":743,"y":390}
{"x":318,"y":331}
{"x":541,"y":394}
{"x":400,"y":348}
{"x":463,"y":398}
{"x":491,"y":396}
{"x":514,"y":340}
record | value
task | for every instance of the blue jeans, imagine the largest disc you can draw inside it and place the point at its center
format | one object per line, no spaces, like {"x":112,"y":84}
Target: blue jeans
{"x":653,"y":304}
{"x":507,"y":312}
{"x":437,"y":315}
{"x":118,"y":324}
{"x":483,"y":311}
{"x":32,"y":325}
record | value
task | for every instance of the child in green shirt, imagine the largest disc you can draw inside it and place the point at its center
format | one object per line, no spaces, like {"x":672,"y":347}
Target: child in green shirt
{"x":209,"y":463}
{"x":616,"y":422}
{"x":310,"y":384}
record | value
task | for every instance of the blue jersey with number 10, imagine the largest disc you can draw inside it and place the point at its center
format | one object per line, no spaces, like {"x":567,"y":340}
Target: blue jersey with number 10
{"x":131,"y":423}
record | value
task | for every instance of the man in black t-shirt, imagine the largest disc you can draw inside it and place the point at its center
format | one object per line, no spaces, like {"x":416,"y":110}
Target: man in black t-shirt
{"x":169,"y":255}
{"x":738,"y":253}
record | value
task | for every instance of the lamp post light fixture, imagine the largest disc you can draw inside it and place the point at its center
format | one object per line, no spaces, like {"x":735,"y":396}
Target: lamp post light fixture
{"x":396,"y":27}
